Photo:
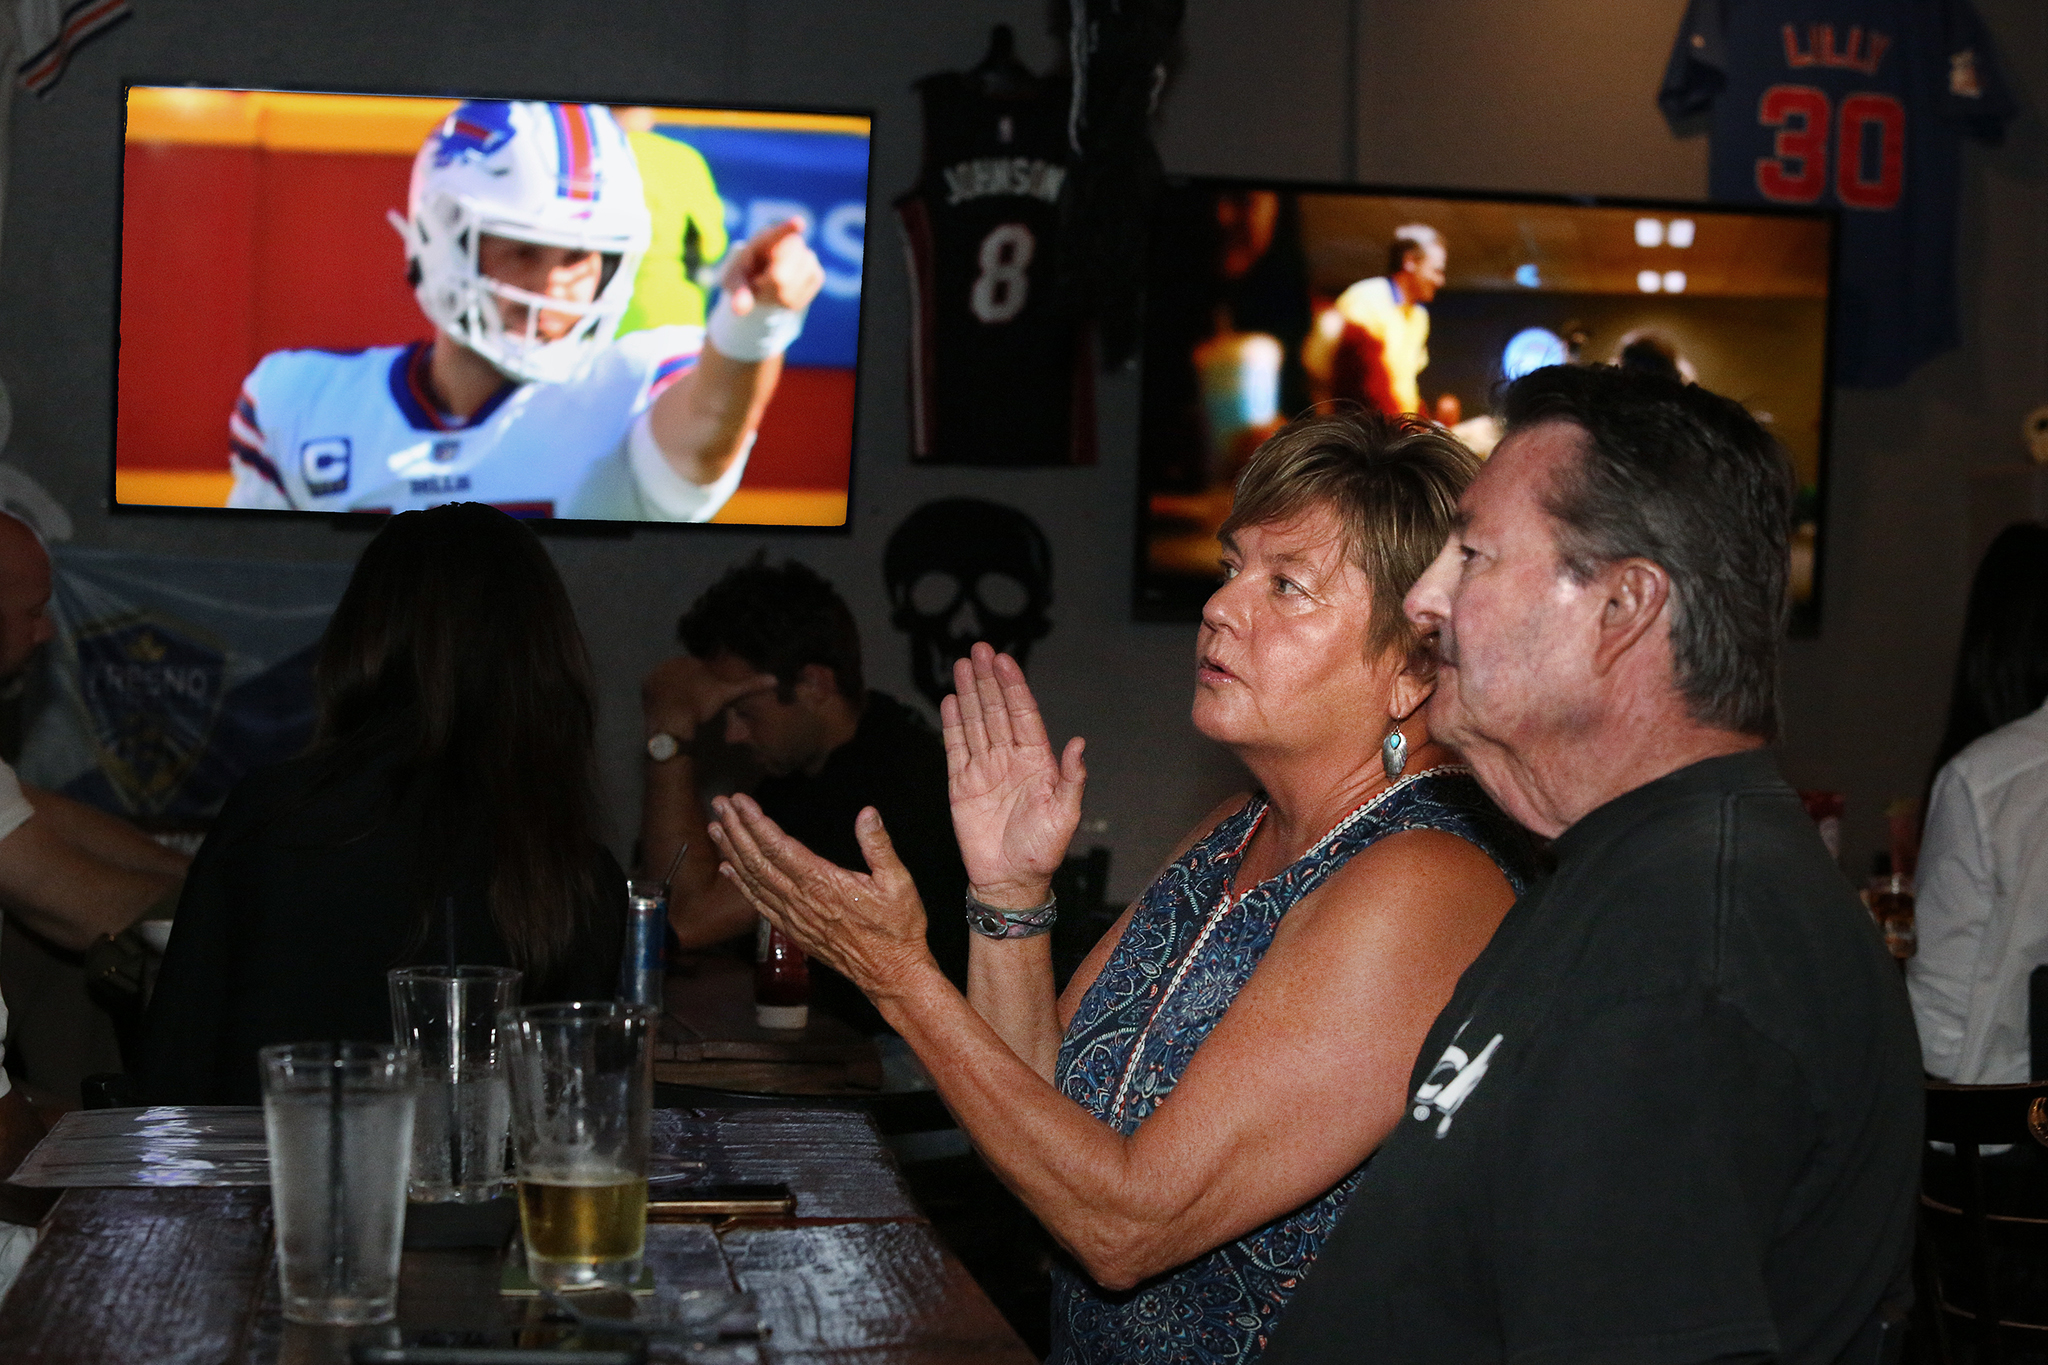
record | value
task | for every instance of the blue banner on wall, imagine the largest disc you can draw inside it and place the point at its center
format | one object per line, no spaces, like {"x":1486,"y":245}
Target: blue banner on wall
{"x":170,"y":678}
{"x":766,"y":175}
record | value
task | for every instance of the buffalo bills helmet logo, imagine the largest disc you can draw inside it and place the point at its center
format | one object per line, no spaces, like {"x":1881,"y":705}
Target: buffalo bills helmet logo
{"x":474,"y":131}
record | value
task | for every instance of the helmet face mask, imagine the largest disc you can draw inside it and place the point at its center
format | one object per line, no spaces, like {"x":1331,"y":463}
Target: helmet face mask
{"x":548,"y":174}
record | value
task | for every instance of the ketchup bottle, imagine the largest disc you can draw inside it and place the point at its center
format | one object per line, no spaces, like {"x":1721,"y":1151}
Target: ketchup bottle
{"x":782,"y":980}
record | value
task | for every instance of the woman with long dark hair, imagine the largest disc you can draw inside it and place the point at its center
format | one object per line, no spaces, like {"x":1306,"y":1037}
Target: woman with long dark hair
{"x":1983,"y":907}
{"x":2002,"y":663}
{"x":446,"y":811}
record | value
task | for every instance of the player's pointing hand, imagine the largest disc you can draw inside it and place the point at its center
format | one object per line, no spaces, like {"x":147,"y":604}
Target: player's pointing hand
{"x":702,"y":423}
{"x":775,"y":266}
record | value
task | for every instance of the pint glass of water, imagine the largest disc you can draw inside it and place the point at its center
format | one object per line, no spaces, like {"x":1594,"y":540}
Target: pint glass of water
{"x":339,"y":1121}
{"x":582,"y":1081}
{"x":448,"y":1016}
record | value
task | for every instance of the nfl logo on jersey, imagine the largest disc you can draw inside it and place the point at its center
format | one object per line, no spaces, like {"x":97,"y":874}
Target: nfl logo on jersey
{"x":325,"y":465}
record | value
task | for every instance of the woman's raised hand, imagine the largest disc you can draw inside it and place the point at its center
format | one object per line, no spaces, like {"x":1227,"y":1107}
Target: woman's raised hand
{"x":1015,"y":805}
{"x":868,"y":926}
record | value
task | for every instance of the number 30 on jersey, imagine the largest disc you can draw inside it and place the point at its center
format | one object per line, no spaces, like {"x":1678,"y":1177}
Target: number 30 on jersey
{"x":1003,"y":284}
{"x":1869,"y":152}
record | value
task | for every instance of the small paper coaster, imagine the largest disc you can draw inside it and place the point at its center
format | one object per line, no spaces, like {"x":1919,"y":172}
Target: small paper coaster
{"x":515,"y":1283}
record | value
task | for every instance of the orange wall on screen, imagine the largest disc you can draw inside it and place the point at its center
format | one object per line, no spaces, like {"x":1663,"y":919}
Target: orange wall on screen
{"x":222,"y":263}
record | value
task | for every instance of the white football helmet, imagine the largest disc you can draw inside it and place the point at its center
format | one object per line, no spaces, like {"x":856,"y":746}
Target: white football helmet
{"x":554,"y":174}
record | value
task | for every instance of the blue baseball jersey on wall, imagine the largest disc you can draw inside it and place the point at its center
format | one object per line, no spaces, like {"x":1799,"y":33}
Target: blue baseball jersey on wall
{"x":1859,"y":105}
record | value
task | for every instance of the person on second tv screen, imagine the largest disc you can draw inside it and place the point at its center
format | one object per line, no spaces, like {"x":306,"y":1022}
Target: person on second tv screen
{"x":525,"y":227}
{"x":1372,"y":345}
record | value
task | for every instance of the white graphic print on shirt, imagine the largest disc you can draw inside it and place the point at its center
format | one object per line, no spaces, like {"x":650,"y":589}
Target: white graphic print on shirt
{"x":1451,"y":1081}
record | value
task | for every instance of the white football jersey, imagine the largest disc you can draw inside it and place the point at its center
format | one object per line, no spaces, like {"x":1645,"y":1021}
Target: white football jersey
{"x":329,"y":431}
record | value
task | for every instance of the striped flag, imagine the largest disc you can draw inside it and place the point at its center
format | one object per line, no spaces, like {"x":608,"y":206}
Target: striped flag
{"x":51,"y":30}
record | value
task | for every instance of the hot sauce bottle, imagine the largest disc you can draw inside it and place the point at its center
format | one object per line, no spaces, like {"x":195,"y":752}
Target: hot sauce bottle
{"x":782,"y":980}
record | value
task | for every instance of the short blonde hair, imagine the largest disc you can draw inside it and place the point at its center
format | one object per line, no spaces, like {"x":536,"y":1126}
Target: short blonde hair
{"x":1393,"y":483}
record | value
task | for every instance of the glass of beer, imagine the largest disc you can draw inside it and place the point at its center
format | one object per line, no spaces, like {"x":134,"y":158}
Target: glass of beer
{"x":448,"y":1016}
{"x":582,"y":1083}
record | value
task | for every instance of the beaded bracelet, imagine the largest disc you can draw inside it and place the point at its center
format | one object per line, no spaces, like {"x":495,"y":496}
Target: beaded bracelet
{"x":994,"y":922}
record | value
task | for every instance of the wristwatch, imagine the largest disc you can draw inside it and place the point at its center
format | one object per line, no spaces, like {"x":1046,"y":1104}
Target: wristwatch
{"x":663,"y":746}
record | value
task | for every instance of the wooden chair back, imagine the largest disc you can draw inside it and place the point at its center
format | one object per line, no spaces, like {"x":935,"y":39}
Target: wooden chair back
{"x":1984,"y":1219}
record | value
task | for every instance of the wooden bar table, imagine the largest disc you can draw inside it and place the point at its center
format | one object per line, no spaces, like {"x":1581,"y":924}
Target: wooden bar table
{"x":709,"y":1039}
{"x":187,"y":1276}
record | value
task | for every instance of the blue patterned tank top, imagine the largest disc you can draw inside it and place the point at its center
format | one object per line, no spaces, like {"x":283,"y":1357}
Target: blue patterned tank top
{"x":1183,"y":958}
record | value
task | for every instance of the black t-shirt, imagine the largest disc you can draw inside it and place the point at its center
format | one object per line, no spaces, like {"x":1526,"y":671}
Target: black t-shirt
{"x":896,"y":763}
{"x":1671,"y":1113}
{"x":299,"y":901}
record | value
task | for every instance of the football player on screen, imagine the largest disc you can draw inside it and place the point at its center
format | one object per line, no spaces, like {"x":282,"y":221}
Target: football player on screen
{"x":525,"y":225}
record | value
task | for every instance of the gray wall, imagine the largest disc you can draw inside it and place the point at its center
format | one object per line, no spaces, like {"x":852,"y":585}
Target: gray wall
{"x":1540,"y":95}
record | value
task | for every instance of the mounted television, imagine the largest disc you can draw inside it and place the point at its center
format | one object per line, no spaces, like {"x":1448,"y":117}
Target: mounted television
{"x":1266,"y":298}
{"x":535,"y":329}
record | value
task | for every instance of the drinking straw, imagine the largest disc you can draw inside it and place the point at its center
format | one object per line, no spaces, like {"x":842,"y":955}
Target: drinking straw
{"x":454,"y":1013}
{"x":337,"y":1202}
{"x":673,"y":864}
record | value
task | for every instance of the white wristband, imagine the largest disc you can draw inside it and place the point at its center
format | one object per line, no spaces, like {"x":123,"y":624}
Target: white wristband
{"x":765,"y":331}
{"x":667,"y":495}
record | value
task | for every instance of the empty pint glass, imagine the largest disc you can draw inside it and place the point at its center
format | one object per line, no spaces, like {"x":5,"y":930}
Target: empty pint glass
{"x":582,"y":1080}
{"x":448,"y":1016}
{"x":339,"y":1121}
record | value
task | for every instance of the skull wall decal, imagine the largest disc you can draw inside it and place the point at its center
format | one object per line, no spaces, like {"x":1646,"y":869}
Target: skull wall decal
{"x":960,"y":570}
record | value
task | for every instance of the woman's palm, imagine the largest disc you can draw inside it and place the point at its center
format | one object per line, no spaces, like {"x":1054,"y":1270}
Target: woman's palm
{"x":1015,"y":804}
{"x":1013,"y":812}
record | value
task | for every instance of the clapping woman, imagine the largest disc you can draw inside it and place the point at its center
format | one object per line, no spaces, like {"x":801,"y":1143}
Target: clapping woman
{"x":1187,"y":1120}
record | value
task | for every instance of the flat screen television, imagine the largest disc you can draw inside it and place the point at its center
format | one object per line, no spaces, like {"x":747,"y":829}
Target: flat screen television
{"x":274,"y":350}
{"x":1262,"y":300}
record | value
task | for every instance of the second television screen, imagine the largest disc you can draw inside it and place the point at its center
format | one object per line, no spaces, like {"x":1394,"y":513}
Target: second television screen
{"x":1264,"y":299}
{"x":289,"y":324}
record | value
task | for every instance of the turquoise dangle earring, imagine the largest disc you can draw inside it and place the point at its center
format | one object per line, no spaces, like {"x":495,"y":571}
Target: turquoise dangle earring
{"x":1394,"y":753}
{"x":1394,"y":748}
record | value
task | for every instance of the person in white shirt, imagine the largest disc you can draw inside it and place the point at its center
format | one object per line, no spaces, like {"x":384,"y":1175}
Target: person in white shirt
{"x":1982,"y":906}
{"x":67,"y":871}
{"x":525,"y":227}
{"x":1372,"y":345}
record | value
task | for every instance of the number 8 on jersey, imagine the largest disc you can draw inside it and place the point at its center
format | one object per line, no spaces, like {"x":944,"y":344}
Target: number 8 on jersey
{"x":999,"y":375}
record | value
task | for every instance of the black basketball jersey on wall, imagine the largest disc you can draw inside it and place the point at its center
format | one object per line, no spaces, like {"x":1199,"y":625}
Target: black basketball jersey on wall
{"x":1000,"y":374}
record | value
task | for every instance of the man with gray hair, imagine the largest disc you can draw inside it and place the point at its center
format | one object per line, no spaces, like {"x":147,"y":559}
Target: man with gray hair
{"x":1672,"y":1112}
